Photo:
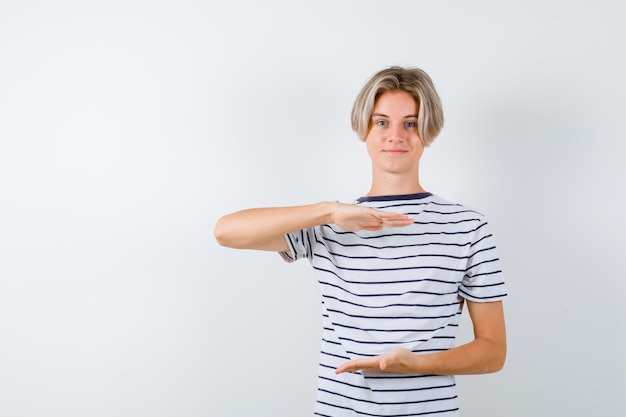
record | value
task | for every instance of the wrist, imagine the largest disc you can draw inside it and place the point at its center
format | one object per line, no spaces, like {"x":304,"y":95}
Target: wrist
{"x":330,"y":209}
{"x":415,"y":363}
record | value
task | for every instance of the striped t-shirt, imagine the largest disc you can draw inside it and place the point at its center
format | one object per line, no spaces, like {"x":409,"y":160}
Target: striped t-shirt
{"x":396,"y":288}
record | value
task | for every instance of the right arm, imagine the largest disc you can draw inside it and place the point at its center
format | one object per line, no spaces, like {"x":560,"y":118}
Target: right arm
{"x":265,"y":228}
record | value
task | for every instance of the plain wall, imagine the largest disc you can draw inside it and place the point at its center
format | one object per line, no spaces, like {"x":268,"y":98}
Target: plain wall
{"x":127,"y":128}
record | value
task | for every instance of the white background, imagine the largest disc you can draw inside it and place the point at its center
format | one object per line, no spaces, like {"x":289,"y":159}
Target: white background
{"x":127,"y":128}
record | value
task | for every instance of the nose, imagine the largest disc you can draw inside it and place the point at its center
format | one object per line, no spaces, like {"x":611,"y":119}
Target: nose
{"x":395,"y":132}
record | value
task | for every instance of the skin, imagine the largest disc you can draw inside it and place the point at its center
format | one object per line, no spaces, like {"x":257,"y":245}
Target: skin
{"x":394,"y":146}
{"x":395,"y":149}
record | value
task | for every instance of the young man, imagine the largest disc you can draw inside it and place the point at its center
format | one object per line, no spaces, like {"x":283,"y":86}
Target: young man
{"x":395,"y":268}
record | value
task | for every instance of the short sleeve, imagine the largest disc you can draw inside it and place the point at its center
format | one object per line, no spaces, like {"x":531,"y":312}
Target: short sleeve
{"x":300,"y":245}
{"x":483,"y":280}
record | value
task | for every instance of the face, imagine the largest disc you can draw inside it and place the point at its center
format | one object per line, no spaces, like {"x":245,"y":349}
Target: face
{"x":393,"y":142}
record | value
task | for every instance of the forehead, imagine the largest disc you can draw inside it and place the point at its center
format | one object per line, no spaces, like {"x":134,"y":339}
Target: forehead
{"x":395,"y":102}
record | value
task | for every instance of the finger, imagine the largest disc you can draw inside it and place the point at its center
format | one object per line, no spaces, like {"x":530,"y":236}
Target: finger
{"x":397,"y":223}
{"x":346,"y":367}
{"x":393,"y":217}
{"x":390,"y":215}
{"x":352,"y":366}
{"x":359,"y":365}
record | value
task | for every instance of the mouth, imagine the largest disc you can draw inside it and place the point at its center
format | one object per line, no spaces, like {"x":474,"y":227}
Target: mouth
{"x":395,"y":151}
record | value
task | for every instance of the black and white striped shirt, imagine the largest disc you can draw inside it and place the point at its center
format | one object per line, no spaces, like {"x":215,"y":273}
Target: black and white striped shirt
{"x":401,"y":287}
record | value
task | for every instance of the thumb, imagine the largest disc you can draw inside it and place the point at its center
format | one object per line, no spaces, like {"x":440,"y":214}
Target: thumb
{"x":383,"y":363}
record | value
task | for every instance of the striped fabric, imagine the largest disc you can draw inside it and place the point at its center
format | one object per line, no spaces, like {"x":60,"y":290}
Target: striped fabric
{"x":393,"y":288}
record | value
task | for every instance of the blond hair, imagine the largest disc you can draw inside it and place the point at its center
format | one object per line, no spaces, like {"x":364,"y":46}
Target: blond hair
{"x":412,"y":80}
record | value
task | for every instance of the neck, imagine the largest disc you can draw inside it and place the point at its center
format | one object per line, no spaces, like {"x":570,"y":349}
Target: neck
{"x":395,"y":184}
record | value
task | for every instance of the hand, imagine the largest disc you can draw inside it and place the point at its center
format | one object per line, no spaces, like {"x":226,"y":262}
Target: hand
{"x":353,"y":218}
{"x":397,"y":361}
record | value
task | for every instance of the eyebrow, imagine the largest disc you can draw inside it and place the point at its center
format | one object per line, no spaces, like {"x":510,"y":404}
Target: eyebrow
{"x":384,"y":115}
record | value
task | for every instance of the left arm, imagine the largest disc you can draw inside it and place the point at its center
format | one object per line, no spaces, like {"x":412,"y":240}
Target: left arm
{"x":485,"y":354}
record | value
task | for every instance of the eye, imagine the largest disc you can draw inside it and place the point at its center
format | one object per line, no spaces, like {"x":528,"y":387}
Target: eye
{"x":410,"y":124}
{"x":381,"y":123}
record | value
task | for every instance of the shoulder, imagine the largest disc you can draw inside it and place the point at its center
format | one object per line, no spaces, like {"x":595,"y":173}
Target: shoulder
{"x":440,"y":205}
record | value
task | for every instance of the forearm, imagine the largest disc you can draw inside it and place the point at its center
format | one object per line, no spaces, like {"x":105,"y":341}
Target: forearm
{"x":486,"y":353}
{"x":258,"y":228}
{"x":264,"y":228}
{"x":480,"y":356}
{"x":477,"y":357}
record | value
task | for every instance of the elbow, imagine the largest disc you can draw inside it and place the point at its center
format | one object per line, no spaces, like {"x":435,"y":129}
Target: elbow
{"x":228,"y":234}
{"x":493,"y":356}
{"x":498,"y":365}
{"x":220,"y":232}
{"x":498,"y":360}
